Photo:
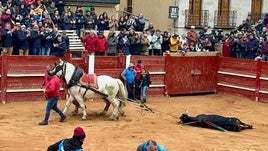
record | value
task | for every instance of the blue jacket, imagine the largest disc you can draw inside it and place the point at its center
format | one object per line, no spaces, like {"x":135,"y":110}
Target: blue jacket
{"x":142,"y":147}
{"x":48,"y":43}
{"x":252,"y":44}
{"x":129,"y":75}
{"x":60,"y":50}
{"x":125,"y":46}
{"x":82,"y":19}
{"x":35,"y":39}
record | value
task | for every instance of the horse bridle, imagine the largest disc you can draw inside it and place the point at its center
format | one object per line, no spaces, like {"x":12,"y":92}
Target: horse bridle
{"x":62,"y":68}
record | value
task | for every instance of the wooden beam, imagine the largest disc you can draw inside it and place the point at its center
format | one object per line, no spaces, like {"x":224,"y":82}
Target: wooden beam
{"x":236,"y":87}
{"x":237,"y":74}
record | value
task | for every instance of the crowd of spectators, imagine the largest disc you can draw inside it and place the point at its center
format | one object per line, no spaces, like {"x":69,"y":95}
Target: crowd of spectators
{"x":28,"y":28}
{"x":248,"y":40}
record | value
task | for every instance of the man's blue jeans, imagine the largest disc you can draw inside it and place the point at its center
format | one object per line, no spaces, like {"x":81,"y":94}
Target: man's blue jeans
{"x":264,"y":57}
{"x":45,"y":51}
{"x":36,"y":51}
{"x":52,"y":104}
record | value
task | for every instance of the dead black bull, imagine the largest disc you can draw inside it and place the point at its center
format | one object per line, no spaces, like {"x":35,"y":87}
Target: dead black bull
{"x":215,"y":121}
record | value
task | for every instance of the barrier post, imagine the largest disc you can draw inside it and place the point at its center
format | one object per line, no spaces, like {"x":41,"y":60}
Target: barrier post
{"x":4,"y":78}
{"x":257,"y":80}
{"x":120,"y":60}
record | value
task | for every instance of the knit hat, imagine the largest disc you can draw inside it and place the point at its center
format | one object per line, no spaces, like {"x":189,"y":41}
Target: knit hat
{"x":79,"y":133}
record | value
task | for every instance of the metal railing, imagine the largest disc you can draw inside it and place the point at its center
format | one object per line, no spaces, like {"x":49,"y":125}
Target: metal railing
{"x":257,"y":16}
{"x":198,"y":18}
{"x":225,"y":19}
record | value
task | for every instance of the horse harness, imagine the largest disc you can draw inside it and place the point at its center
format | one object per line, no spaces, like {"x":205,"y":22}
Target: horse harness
{"x":77,"y":74}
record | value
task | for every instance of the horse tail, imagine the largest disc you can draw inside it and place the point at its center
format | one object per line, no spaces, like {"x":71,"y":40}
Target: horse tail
{"x":121,"y":93}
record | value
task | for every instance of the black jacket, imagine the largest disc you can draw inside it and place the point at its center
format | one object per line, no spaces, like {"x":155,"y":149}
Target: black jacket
{"x":70,"y":144}
{"x":23,"y":40}
{"x":145,"y":80}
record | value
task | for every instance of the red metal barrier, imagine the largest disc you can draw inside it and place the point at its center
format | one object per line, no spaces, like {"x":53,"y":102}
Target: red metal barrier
{"x":243,"y":77}
{"x":21,"y":76}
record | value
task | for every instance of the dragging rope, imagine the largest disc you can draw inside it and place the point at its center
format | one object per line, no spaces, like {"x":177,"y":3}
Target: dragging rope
{"x":147,"y":108}
{"x":138,"y":105}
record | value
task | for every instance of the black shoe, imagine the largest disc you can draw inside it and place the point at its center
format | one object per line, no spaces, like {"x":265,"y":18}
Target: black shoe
{"x":143,"y":101}
{"x":63,"y":117}
{"x":44,"y":122}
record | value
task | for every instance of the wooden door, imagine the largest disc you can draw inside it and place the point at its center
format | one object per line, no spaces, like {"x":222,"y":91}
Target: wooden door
{"x":204,"y":73}
{"x":223,"y":12}
{"x":178,"y":75}
{"x":188,"y":75}
{"x":195,"y":8}
{"x":256,"y":10}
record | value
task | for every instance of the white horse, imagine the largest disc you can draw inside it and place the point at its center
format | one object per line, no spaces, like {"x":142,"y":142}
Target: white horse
{"x":110,"y":89}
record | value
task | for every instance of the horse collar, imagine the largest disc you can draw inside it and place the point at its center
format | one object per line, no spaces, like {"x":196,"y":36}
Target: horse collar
{"x":64,"y":70}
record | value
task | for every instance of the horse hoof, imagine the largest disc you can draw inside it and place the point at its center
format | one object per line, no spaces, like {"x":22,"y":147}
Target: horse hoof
{"x":110,"y":119}
{"x":83,"y":119}
{"x":102,"y":114}
{"x":113,"y":119}
{"x":73,"y":113}
{"x":123,"y":114}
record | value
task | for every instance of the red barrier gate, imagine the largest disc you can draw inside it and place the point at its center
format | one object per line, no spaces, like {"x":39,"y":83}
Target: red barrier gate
{"x":193,"y":74}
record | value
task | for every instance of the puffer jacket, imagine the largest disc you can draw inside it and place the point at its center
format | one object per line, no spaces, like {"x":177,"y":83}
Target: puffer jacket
{"x":53,"y":87}
{"x":70,"y":144}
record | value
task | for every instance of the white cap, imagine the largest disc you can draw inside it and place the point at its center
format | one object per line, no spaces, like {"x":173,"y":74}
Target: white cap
{"x":192,"y":27}
{"x":131,"y":65}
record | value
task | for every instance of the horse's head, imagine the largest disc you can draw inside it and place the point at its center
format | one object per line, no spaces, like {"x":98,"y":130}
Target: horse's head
{"x":58,"y":69}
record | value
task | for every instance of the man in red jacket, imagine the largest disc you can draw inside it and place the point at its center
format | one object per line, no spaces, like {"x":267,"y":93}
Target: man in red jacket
{"x":52,"y":93}
{"x":138,"y":68}
{"x":90,"y":41}
{"x":101,"y":44}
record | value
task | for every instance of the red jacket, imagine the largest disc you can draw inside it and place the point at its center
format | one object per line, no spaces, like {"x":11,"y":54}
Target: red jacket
{"x":46,"y":80}
{"x":53,"y":87}
{"x":90,"y":43}
{"x":101,"y":44}
{"x":138,"y":70}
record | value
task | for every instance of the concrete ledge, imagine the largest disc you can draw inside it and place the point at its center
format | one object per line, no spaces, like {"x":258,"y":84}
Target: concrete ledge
{"x":156,"y":85}
{"x":201,"y":53}
{"x":160,"y":72}
{"x":25,"y":75}
{"x":27,"y":90}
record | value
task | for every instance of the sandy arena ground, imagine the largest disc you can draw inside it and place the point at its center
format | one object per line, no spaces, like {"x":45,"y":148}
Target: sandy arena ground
{"x":20,"y":130}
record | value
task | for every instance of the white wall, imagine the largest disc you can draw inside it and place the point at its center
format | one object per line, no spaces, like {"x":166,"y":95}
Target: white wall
{"x":211,"y":6}
{"x":183,"y":5}
{"x":265,"y":6}
{"x":242,"y":9}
